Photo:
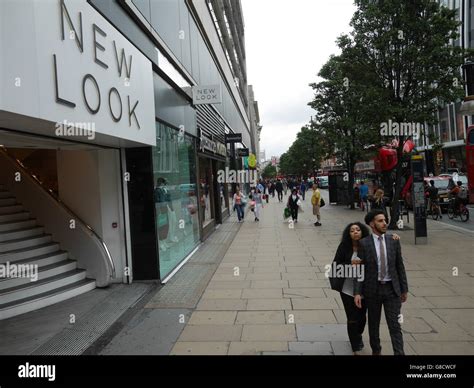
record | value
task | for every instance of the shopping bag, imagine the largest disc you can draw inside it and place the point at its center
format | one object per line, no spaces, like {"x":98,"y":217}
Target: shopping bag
{"x":322,"y":203}
{"x":286,"y":213}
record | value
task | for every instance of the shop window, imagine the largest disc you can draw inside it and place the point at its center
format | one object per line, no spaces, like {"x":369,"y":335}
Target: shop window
{"x":175,"y":196}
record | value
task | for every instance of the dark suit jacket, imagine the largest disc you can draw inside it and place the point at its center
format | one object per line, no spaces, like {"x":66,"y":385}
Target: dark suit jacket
{"x":368,"y":255}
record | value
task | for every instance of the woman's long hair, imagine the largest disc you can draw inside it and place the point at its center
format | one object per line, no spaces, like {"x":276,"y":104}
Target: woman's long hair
{"x":346,"y":240}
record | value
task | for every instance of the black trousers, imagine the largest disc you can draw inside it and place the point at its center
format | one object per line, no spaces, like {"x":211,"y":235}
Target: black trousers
{"x":294,"y":213}
{"x":392,"y":305}
{"x":356,"y":319}
{"x":280,"y":195}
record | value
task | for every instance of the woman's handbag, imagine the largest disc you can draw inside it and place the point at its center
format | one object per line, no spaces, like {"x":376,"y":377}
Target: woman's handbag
{"x":322,"y":203}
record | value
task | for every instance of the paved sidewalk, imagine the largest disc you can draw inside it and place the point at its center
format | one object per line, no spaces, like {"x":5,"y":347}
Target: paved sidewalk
{"x":269,"y":294}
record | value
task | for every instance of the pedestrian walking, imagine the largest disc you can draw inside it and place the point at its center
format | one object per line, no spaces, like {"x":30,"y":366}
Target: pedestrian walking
{"x":257,"y":197}
{"x":279,"y":190}
{"x":285,"y":185}
{"x":316,"y":202}
{"x":293,"y":204}
{"x":238,"y":204}
{"x":303,"y":189}
{"x":385,"y":282}
{"x":363,"y":194}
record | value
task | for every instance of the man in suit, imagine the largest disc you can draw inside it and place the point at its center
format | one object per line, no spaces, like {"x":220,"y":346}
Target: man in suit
{"x":384,"y":282}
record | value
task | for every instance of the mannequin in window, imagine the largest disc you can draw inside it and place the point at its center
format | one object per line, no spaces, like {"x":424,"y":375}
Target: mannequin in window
{"x":161,"y":197}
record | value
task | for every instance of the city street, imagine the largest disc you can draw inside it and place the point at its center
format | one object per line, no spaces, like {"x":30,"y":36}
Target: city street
{"x":269,"y":295}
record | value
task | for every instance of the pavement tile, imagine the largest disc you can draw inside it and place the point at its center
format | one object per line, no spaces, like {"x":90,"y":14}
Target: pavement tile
{"x":303,"y":293}
{"x":212,"y":333}
{"x":461,"y":302}
{"x":314,"y":303}
{"x":260,"y":317}
{"x":308,"y":283}
{"x":310,"y":316}
{"x":213,"y":318}
{"x":257,"y":347}
{"x":200,"y":348}
{"x":431,"y":291}
{"x":312,"y":348}
{"x":269,"y":304}
{"x":426,"y":348}
{"x":269,"y":284}
{"x":261,"y":293}
{"x":222,"y":294}
{"x":226,"y":285}
{"x":321,"y":332}
{"x":222,"y":304}
{"x":269,"y":333}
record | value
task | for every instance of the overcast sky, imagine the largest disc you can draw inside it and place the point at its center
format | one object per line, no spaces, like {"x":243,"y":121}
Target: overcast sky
{"x":286,"y":45}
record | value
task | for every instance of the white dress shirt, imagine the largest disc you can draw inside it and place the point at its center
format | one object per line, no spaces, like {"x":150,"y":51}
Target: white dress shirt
{"x":387,"y":277}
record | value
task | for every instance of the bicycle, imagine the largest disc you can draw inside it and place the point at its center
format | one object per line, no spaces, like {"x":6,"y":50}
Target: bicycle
{"x":434,"y":210}
{"x":462,"y":211}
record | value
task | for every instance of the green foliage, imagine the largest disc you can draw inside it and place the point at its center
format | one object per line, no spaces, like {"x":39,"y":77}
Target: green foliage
{"x":305,"y":154}
{"x":269,"y":172}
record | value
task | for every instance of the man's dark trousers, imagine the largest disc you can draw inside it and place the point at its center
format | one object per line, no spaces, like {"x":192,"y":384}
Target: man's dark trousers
{"x":392,"y":304}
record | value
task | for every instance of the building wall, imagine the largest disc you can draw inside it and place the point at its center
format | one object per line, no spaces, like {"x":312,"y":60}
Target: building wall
{"x":175,"y":24}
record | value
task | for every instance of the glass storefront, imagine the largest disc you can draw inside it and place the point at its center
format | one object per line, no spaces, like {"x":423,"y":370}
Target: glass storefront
{"x":206,"y":194}
{"x":175,"y":196}
{"x":223,"y":191}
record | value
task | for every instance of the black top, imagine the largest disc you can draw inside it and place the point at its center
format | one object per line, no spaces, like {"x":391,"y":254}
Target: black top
{"x":343,"y":256}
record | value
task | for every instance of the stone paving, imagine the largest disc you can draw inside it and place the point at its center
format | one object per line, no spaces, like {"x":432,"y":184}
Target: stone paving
{"x":269,"y":295}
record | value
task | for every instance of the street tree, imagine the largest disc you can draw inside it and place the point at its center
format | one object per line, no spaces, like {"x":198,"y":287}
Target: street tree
{"x":408,"y":46}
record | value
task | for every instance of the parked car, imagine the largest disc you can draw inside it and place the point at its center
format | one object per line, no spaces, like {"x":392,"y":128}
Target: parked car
{"x":323,"y":182}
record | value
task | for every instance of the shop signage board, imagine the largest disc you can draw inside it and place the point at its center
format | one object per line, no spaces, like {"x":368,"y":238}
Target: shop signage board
{"x":62,"y":62}
{"x":215,"y":147}
{"x":207,"y":94}
{"x":233,"y":138}
{"x":241,"y":152}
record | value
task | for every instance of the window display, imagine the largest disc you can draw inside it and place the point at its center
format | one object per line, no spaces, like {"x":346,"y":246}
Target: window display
{"x":175,"y":196}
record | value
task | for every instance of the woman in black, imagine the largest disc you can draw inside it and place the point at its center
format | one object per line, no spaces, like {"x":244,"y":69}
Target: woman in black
{"x":293,"y":204}
{"x":345,"y":259}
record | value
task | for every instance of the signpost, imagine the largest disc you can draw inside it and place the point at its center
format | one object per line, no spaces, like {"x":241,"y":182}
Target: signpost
{"x":233,"y":138}
{"x":418,"y":195}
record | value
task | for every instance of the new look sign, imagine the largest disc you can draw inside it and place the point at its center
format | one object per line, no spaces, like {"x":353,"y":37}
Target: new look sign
{"x":62,"y":61}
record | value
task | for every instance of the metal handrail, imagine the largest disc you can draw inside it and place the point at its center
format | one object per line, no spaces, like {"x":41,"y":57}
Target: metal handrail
{"x":110,"y":261}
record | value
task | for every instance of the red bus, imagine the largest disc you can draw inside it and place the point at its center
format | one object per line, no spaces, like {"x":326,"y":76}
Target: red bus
{"x":470,"y":161}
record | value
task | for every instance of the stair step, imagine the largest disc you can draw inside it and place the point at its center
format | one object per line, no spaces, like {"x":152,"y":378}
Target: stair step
{"x":9,"y":209}
{"x":25,"y":242}
{"x":43,"y":260}
{"x":7,"y":201}
{"x":15,"y":225}
{"x":14,"y":216}
{"x":5,"y":194}
{"x":26,"y":253}
{"x":41,"y":273}
{"x":8,"y":310}
{"x":21,"y":233}
{"x":23,"y":291}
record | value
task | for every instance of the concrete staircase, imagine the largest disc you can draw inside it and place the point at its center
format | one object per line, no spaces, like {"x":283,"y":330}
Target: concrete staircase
{"x":24,"y":244}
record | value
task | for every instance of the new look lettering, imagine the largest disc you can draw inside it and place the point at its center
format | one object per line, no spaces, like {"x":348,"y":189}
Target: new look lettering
{"x":95,"y":96}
